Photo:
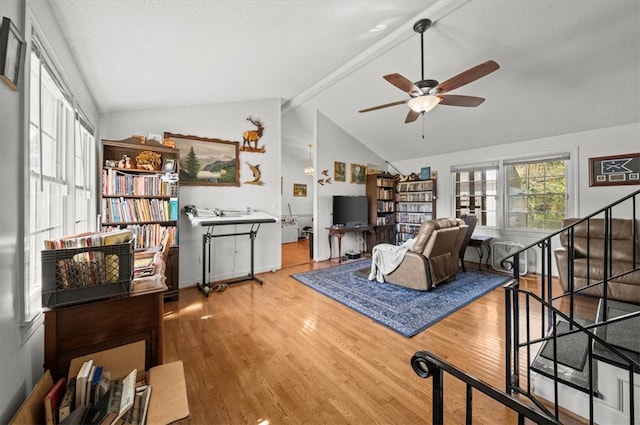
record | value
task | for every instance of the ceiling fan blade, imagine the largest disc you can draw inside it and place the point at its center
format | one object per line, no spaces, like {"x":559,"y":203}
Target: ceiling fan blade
{"x":412,"y":116}
{"x":468,"y":76}
{"x":458,"y":100}
{"x":386,"y":105}
{"x":403,"y":84}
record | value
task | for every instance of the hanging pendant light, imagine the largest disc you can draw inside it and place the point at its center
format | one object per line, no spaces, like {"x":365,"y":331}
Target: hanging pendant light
{"x":309,"y":169}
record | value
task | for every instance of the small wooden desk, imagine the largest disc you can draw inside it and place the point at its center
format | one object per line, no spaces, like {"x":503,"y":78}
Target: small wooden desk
{"x":340,"y":231}
{"x":479,"y":242}
{"x":76,"y":330}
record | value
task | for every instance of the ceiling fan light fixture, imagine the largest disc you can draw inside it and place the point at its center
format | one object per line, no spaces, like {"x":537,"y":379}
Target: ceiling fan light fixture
{"x":423,"y":103}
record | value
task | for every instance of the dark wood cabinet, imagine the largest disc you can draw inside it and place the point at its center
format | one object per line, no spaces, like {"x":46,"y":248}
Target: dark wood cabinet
{"x":77,"y":330}
{"x":171,"y":273}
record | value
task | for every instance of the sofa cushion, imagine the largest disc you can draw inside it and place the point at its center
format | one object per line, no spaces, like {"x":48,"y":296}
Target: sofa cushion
{"x":621,"y":238}
{"x":428,"y":227}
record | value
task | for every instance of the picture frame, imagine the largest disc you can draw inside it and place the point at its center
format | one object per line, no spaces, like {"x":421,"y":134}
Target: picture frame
{"x":425,"y":173}
{"x":339,"y":171}
{"x":11,"y":51}
{"x":358,"y":173}
{"x":154,"y":137}
{"x":299,"y":189}
{"x":207,"y":161}
{"x":615,"y":170}
{"x":169,"y":165}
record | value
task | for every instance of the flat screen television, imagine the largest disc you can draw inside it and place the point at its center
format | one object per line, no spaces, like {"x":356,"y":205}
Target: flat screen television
{"x":350,"y":211}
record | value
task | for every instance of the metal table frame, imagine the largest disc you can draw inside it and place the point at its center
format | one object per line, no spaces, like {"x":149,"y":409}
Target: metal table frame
{"x":207,"y":240}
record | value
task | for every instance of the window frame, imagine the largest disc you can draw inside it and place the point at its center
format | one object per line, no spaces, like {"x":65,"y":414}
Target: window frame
{"x":68,"y":123}
{"x":570,"y":190}
{"x":473,"y":168}
{"x":571,"y":185}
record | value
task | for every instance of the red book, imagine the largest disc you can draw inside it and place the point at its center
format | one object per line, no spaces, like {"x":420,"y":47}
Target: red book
{"x":52,"y":401}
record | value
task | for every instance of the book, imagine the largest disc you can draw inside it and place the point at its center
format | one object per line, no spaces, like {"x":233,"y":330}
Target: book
{"x":108,"y":407}
{"x":52,"y":401}
{"x":95,"y":380}
{"x":81,"y":382}
{"x":145,"y":393}
{"x":87,"y":399}
{"x":103,"y":386}
{"x":68,"y":401}
{"x":77,"y":416}
{"x":127,"y":397}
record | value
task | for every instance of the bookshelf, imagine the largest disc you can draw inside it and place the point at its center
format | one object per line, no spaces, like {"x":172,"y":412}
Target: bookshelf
{"x":415,"y":203}
{"x":140,"y":193}
{"x":380,"y":189}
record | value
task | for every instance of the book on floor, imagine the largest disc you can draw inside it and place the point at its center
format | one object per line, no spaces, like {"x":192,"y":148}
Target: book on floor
{"x":68,"y":401}
{"x":52,"y":401}
{"x":81,"y":382}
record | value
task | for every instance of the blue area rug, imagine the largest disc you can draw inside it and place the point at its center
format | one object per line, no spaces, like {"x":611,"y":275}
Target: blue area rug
{"x":404,"y":310}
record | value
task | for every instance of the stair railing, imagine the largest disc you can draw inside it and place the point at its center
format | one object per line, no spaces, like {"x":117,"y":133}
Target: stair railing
{"x":428,"y":365}
{"x":549,"y":314}
{"x":513,"y":296}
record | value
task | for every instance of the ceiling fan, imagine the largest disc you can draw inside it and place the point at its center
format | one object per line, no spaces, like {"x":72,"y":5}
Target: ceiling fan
{"x":426,"y":94}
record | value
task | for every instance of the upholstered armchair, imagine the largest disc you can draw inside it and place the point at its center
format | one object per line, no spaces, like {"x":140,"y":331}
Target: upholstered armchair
{"x":589,"y":255}
{"x":434,"y":257}
{"x":471,"y":221}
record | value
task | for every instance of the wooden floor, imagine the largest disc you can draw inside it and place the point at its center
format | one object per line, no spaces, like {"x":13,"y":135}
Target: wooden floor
{"x":283,"y":353}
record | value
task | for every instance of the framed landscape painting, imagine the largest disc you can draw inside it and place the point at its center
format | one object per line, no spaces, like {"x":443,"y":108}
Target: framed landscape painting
{"x":207,"y":162}
{"x":299,"y":189}
{"x":358,"y":173}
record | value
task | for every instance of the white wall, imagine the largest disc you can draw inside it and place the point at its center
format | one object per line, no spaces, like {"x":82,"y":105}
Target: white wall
{"x":586,"y":144}
{"x":22,"y":346}
{"x":335,"y":144}
{"x":231,"y":255}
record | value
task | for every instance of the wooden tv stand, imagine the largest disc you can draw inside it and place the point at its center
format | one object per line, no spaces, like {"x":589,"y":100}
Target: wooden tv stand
{"x":338,"y":232}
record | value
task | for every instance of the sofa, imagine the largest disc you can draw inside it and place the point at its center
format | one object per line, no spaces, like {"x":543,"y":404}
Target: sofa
{"x":434,"y":256}
{"x":589,"y":270}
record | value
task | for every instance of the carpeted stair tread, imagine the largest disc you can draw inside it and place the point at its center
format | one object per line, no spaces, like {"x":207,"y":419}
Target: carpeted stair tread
{"x":572,"y":355}
{"x":624,"y":335}
{"x":572,"y":348}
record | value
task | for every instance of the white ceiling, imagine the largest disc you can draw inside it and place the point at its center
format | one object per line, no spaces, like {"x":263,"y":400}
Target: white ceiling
{"x":566,"y":65}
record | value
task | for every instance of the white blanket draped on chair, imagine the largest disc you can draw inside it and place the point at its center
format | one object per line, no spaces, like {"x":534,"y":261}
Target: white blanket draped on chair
{"x":385,"y":258}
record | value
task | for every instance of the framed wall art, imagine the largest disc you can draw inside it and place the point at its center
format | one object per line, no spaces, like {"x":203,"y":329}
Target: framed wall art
{"x":614,"y":170}
{"x":358,"y":175}
{"x":207,"y":162}
{"x":339,"y":169}
{"x":11,"y":47}
{"x":169,"y":165}
{"x":299,"y":189}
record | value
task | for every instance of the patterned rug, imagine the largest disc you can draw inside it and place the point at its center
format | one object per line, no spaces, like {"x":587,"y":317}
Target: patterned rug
{"x":404,"y":310}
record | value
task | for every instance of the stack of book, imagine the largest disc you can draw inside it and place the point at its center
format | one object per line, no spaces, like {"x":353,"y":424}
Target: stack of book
{"x":92,"y":398}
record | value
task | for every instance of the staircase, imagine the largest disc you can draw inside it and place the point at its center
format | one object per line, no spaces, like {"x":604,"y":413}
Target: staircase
{"x":562,"y":360}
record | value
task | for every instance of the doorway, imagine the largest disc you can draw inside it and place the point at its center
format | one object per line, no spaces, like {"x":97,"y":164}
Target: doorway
{"x":296,"y":253}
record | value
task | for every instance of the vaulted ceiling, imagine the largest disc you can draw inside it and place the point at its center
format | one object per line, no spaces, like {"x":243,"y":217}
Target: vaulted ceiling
{"x":565,"y":65}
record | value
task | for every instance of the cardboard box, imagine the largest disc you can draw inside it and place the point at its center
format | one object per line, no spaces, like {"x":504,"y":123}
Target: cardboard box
{"x":168,"y":401}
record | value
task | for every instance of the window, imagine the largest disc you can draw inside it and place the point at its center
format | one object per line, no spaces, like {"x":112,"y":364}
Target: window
{"x":60,"y":186}
{"x":536,"y":192}
{"x":477,"y":192}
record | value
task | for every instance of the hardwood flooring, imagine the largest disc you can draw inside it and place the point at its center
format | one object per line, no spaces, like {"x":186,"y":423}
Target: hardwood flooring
{"x":282,"y":353}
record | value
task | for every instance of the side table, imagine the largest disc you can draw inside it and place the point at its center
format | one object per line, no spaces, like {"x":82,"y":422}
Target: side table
{"x":479,"y":242}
